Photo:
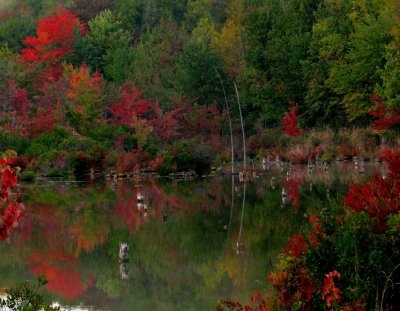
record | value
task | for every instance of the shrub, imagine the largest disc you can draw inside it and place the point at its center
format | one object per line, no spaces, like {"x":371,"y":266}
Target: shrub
{"x":10,"y":141}
{"x":348,"y":258}
{"x":167,"y":166}
{"x":25,"y":296}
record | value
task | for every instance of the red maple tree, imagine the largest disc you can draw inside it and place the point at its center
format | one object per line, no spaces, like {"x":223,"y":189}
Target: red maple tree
{"x":289,"y":123}
{"x":130,"y":106}
{"x":55,"y":37}
{"x":387,"y":117}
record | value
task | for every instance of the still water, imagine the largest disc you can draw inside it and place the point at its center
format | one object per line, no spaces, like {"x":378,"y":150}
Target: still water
{"x":191,"y":242}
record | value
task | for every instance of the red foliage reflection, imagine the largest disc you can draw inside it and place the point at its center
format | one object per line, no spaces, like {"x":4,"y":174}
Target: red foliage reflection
{"x":292,"y":188}
{"x":61,"y":271}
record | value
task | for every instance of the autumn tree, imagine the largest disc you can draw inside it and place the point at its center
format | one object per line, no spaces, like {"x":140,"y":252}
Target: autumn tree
{"x":14,"y":109}
{"x":85,"y":98}
{"x":230,"y":40}
{"x":54,"y":38}
{"x":387,"y":117}
{"x":289,"y":123}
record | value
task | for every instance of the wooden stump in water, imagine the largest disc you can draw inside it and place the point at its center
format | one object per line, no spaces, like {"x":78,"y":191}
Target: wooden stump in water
{"x":123,"y":252}
{"x":243,"y":176}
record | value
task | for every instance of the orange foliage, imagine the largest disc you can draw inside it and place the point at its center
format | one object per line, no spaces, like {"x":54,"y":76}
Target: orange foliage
{"x":82,"y":82}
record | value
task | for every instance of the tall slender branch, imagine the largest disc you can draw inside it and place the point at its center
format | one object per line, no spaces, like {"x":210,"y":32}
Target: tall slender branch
{"x":230,"y":122}
{"x":241,"y":121}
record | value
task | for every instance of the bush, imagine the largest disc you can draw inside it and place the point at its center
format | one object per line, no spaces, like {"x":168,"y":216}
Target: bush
{"x":203,"y":156}
{"x":25,"y":296}
{"x":10,"y":141}
{"x":48,"y":141}
{"x":129,"y":143}
{"x":27,"y":176}
{"x":167,"y":166}
{"x":58,"y":153}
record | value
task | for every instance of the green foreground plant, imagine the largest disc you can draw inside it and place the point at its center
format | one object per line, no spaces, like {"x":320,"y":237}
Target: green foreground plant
{"x":26,"y":297}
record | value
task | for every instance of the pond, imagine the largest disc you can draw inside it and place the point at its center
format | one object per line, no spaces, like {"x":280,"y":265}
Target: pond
{"x":191,"y":242}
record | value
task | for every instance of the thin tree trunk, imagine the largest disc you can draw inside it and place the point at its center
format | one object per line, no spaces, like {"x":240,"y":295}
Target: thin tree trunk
{"x":241,"y":121}
{"x":230,"y":123}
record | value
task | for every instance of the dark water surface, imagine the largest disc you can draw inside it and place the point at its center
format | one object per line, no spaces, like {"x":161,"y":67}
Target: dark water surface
{"x":189,"y":245}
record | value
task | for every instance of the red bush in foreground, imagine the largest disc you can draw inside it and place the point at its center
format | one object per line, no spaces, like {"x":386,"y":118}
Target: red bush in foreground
{"x":258,"y":303}
{"x":331,"y":293}
{"x":296,"y":246}
{"x":10,"y":207}
{"x":380,"y":197}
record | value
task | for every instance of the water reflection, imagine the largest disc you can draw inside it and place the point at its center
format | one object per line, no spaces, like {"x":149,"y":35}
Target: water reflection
{"x":239,"y":243}
{"x":190,"y":242}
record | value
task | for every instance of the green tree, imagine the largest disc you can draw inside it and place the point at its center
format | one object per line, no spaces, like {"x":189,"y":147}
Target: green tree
{"x":214,"y":10}
{"x":356,"y":76}
{"x":196,"y":74}
{"x":278,"y":36}
{"x":153,"y":61}
{"x":13,"y":29}
{"x":103,"y":46}
{"x":389,"y":86}
{"x":329,"y":43}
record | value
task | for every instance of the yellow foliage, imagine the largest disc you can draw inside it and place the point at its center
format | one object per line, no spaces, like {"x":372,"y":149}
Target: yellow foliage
{"x":230,"y":41}
{"x":142,"y":131}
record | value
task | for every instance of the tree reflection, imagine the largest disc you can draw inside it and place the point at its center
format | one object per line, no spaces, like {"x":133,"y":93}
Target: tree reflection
{"x":72,"y":234}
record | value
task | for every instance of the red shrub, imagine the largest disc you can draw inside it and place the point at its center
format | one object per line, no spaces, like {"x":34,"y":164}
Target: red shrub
{"x":289,"y":123}
{"x":380,"y":197}
{"x":292,"y":188}
{"x":258,"y":303}
{"x":296,"y":246}
{"x":387,"y":117}
{"x":330,"y":292}
{"x":10,"y":207}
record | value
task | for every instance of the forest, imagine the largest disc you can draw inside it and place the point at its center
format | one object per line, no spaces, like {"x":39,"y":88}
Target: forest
{"x":134,"y":84}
